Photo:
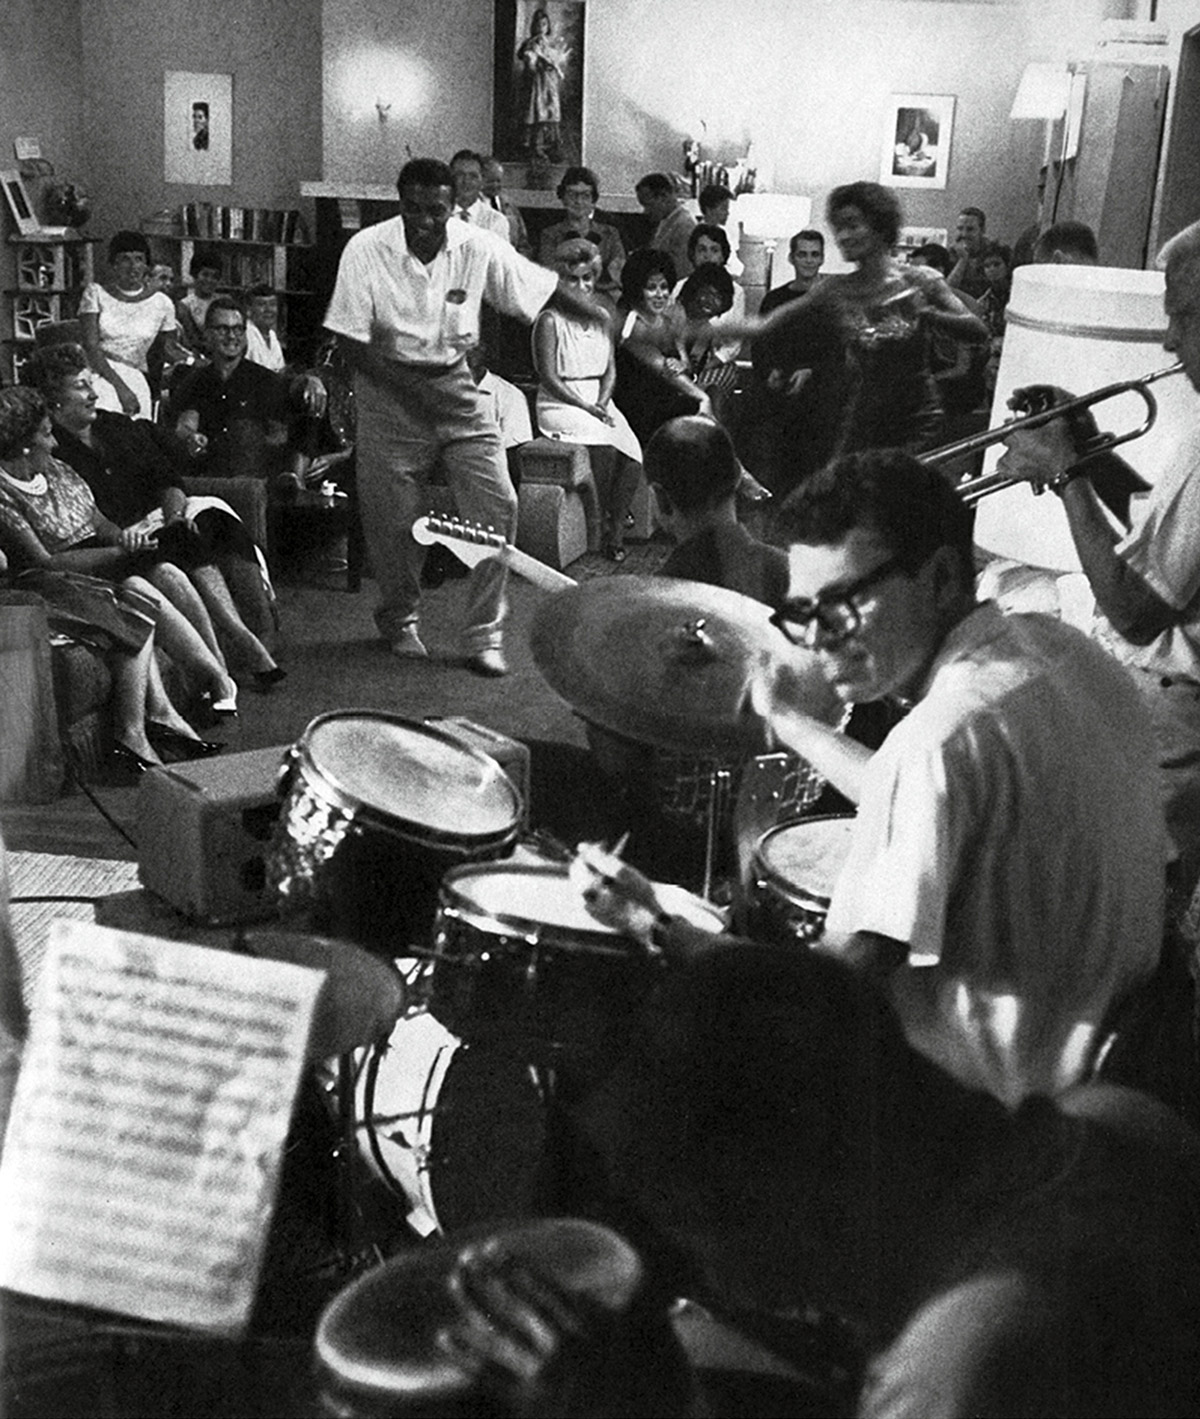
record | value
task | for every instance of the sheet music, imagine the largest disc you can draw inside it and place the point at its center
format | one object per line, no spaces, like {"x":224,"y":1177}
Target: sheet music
{"x":143,"y":1152}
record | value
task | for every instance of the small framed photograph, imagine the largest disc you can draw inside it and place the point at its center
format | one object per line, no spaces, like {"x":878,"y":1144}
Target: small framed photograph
{"x":198,"y":129}
{"x":917,"y":130}
{"x":18,"y":202}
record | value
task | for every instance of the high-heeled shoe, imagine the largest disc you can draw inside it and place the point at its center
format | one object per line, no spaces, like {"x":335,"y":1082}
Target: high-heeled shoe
{"x":128,"y":758}
{"x":213,"y":710}
{"x":162,"y":736}
{"x":268,"y":679}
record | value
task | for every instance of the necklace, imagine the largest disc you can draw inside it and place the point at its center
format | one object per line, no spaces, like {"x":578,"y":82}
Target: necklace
{"x":130,"y":296}
{"x":36,"y":486}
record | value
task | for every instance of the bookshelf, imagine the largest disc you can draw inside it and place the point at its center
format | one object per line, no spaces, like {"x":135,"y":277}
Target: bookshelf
{"x":51,"y":272}
{"x":252,"y":245}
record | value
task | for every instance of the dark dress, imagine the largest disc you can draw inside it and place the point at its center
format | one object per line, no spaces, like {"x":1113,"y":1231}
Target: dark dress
{"x":643,"y":395}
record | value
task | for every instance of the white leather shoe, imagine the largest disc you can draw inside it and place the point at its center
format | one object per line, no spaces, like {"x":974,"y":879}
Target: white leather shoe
{"x":490,"y":661}
{"x":409,"y":645}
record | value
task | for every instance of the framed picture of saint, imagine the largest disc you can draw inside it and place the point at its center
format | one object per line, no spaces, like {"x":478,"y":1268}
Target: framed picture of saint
{"x":538,"y":100}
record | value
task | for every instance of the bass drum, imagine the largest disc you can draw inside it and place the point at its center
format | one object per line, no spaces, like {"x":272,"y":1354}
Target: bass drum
{"x":457,"y":1131}
{"x":796,"y":866}
{"x":376,"y":808}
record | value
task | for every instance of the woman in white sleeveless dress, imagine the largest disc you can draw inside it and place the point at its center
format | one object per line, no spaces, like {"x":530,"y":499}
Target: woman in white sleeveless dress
{"x":576,"y":373}
{"x":119,"y":320}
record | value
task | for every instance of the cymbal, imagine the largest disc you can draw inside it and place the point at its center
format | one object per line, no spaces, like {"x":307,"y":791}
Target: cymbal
{"x":664,"y":662}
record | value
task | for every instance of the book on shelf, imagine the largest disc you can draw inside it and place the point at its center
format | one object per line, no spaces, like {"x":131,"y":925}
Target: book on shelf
{"x":268,"y":225}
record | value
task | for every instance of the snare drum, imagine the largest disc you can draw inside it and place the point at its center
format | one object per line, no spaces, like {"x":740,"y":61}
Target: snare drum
{"x":517,"y":954}
{"x":458,"y":1131}
{"x":376,"y":808}
{"x":795,"y":868}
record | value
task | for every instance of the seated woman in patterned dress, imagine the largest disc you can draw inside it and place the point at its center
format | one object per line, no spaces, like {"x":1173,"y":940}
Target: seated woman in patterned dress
{"x":50,"y":520}
{"x":48,"y":524}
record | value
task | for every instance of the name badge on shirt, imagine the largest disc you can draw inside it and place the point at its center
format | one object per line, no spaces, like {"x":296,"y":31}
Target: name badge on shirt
{"x":458,"y":333}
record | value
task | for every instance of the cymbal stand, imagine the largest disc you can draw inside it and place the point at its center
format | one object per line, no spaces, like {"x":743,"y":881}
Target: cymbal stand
{"x":719,"y":780}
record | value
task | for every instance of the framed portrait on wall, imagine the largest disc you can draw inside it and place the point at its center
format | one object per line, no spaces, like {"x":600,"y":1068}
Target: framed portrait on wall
{"x":198,"y":128}
{"x":18,"y":202}
{"x":917,"y":130}
{"x":538,"y":94}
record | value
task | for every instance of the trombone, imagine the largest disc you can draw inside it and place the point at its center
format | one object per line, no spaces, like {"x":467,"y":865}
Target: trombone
{"x":973,"y":489}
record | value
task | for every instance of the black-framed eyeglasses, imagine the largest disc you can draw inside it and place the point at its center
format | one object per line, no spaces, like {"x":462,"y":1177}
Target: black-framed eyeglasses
{"x":837,"y":614}
{"x":219,"y":330}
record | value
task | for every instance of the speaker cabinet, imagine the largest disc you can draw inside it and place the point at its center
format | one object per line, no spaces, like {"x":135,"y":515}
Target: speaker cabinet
{"x":204,"y":830}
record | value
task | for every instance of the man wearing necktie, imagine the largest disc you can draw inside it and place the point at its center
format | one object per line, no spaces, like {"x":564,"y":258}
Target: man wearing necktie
{"x":469,"y":206}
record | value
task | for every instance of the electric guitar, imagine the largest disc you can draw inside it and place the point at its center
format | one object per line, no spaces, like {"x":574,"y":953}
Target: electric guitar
{"x":473,"y":544}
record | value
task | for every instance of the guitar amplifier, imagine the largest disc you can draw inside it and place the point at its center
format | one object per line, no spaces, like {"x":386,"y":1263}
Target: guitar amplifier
{"x":204,"y":831}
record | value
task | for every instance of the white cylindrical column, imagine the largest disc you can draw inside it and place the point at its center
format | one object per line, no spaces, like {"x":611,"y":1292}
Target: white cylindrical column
{"x":1080,"y":327}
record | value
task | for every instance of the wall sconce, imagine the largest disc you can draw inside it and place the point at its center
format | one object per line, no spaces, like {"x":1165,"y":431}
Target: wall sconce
{"x":382,"y":109}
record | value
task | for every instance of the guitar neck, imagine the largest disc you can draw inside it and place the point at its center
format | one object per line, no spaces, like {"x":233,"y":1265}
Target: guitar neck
{"x":537,"y":572}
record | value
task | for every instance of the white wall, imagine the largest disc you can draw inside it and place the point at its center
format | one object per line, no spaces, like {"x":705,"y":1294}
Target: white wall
{"x":806,"y":81}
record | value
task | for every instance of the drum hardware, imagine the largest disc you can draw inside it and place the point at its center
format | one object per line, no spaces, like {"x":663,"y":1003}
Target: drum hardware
{"x":360,"y":1002}
{"x":973,"y":489}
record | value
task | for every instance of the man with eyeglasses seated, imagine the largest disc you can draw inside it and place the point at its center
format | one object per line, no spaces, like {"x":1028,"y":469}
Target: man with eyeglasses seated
{"x":237,"y":419}
{"x":1005,"y":874}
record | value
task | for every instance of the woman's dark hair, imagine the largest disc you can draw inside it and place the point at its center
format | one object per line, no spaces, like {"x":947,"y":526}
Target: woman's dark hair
{"x":713,"y":233}
{"x":934,"y":254}
{"x":911,"y":508}
{"x":128,"y":241}
{"x":540,"y":14}
{"x":879,"y":205}
{"x":21,"y":413}
{"x":49,"y":368}
{"x":573,"y":177}
{"x":641,"y":265}
{"x":710,"y":277}
{"x":997,"y":250}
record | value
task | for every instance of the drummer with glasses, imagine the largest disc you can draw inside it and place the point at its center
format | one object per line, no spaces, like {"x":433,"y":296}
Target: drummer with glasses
{"x":1004,"y":876}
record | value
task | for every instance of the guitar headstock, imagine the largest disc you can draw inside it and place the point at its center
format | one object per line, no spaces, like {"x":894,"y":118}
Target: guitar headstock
{"x":469,"y":542}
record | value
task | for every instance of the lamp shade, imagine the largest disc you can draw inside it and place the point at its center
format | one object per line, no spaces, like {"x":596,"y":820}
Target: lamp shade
{"x":1044,"y":92}
{"x":1080,"y":328}
{"x":766,"y":219}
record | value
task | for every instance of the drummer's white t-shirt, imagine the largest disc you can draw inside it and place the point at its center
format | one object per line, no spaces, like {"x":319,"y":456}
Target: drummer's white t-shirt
{"x":1010,"y":832}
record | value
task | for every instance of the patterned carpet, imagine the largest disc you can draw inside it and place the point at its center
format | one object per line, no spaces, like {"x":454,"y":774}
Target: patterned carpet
{"x":55,"y":875}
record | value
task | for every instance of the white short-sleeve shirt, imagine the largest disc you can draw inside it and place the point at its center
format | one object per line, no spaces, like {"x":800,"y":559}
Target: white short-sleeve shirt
{"x":1010,"y":832}
{"x":1163,"y":547}
{"x":421,"y":313}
